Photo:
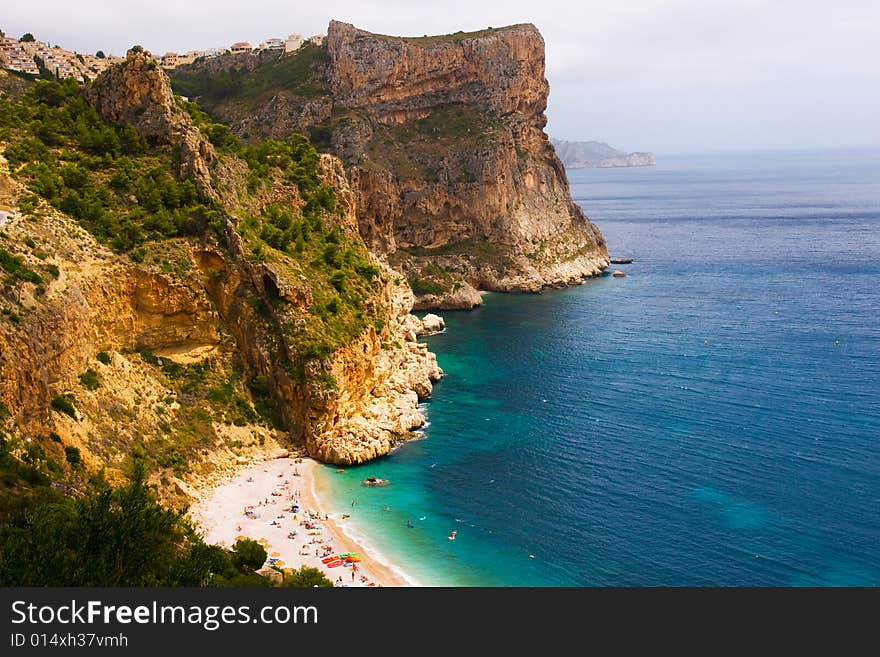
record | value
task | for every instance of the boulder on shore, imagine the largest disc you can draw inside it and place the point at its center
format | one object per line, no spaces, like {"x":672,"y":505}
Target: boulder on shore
{"x":432,"y":324}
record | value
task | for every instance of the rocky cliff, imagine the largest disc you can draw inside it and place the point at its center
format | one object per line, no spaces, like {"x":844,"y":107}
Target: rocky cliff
{"x":200,"y":346}
{"x":444,"y":144}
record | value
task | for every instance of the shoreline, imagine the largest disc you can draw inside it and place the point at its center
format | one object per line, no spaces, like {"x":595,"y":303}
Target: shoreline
{"x":268,"y":489}
{"x":376,"y":556}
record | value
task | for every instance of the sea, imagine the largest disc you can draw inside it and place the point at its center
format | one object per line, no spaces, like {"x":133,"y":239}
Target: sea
{"x":711,"y":419}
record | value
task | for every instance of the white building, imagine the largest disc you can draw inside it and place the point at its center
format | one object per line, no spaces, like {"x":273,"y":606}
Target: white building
{"x":273,"y":44}
{"x":317,"y":39}
{"x":293,"y":42}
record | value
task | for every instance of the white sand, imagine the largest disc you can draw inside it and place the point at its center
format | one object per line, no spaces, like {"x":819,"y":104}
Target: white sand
{"x":221,"y":517}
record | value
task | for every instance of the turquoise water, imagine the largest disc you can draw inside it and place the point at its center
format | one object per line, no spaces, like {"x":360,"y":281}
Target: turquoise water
{"x":711,"y":419}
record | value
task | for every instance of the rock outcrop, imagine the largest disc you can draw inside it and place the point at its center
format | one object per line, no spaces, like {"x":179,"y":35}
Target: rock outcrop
{"x":359,"y":402}
{"x":376,"y":403}
{"x":444,"y":144}
{"x":476,"y":189}
{"x":137,"y":93}
{"x":432,"y":324}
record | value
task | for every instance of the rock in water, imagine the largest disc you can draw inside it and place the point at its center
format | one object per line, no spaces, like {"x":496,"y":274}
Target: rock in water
{"x":618,"y":274}
{"x":432,"y":324}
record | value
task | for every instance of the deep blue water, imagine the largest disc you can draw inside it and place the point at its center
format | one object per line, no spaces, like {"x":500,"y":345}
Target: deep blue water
{"x":711,"y":419}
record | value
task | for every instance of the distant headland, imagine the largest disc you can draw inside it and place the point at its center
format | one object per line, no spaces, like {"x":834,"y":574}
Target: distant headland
{"x":588,"y":154}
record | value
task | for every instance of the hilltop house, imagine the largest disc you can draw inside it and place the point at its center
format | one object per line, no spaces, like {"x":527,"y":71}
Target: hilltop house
{"x":294,"y":41}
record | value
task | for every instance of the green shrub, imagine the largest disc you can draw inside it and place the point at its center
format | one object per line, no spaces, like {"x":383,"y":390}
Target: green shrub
{"x":426,"y":286}
{"x":16,"y":270}
{"x":248,"y":555}
{"x":65,"y":404}
{"x":72,"y":454}
{"x":103,"y":357}
{"x":306,"y":577}
{"x":89,"y":379}
{"x":337,"y":280}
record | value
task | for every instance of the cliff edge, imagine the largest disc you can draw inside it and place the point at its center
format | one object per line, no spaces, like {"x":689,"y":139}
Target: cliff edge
{"x":444,"y":142}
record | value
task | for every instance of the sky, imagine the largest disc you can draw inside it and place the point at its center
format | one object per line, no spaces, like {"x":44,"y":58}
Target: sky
{"x":666,"y":76}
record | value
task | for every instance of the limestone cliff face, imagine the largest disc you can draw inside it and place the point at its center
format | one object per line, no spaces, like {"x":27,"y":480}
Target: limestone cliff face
{"x":400,"y":79}
{"x":378,"y":378}
{"x":444,"y":144}
{"x":480,"y":170}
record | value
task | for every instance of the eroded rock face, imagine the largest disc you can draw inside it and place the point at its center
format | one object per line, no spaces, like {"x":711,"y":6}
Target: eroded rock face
{"x":478,"y":169}
{"x":399,"y":79}
{"x":375,"y":406}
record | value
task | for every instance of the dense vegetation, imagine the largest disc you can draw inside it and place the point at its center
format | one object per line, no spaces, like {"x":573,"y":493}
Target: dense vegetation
{"x":342,"y":279}
{"x":299,"y":74}
{"x":112,"y":537}
{"x":16,"y":270}
{"x":107,"y":177}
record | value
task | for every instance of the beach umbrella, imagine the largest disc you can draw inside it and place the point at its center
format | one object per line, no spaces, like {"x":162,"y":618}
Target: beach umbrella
{"x":275,"y":554}
{"x":279,"y":563}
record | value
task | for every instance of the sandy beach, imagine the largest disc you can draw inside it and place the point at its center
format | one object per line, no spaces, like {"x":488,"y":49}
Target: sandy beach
{"x":271,"y":502}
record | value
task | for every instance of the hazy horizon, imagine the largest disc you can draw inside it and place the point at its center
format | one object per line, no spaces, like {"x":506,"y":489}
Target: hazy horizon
{"x":668,"y":77}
